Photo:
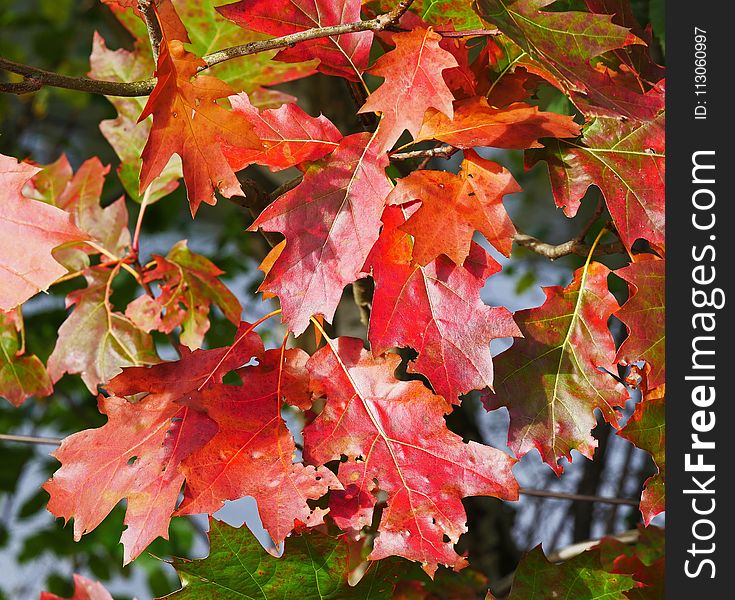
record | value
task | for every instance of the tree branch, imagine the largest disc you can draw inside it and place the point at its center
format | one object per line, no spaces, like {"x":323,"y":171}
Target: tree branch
{"x":576,"y":497}
{"x":42,"y":77}
{"x":144,"y":88}
{"x":445,"y":151}
{"x":155,"y":35}
{"x":574,"y":246}
{"x":30,"y":439}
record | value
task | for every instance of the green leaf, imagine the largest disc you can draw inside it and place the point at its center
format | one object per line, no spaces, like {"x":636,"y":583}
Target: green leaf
{"x":21,"y":375}
{"x":96,"y":341}
{"x":581,"y":578}
{"x":313,"y":567}
{"x":441,"y":12}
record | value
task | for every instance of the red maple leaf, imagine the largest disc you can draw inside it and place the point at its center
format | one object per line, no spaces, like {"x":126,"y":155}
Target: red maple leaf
{"x":344,"y":55}
{"x":395,"y":439}
{"x":290,"y":136}
{"x":644,"y":316}
{"x":331,"y":221}
{"x":188,"y":121}
{"x":550,"y":380}
{"x":435,"y":309}
{"x":41,"y":227}
{"x":462,"y":204}
{"x":476,"y":123}
{"x":413,"y":84}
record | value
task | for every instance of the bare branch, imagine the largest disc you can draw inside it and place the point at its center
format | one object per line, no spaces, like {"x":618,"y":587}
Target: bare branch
{"x":438,"y":152}
{"x":30,"y":439}
{"x":41,"y":77}
{"x":155,"y":35}
{"x":576,"y":497}
{"x":574,"y":246}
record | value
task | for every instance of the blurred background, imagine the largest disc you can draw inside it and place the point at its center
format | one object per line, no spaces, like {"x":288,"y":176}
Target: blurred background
{"x":37,"y":552}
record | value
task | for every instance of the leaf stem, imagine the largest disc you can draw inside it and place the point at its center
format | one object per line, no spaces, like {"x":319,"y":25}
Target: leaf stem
{"x":114,"y":259}
{"x":139,"y":222}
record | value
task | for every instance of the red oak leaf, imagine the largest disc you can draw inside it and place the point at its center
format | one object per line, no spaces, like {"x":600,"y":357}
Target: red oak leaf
{"x":84,"y":589}
{"x":188,"y":121}
{"x":465,"y":203}
{"x":189,"y":284}
{"x":564,"y":47}
{"x":135,"y":455}
{"x":395,"y":439}
{"x":625,"y":159}
{"x":331,"y":221}
{"x":29,"y":231}
{"x":95,"y":340}
{"x":344,"y":55}
{"x":476,"y":123}
{"x":79,"y":194}
{"x":436,"y":310}
{"x":290,"y":136}
{"x":413,"y":84}
{"x":646,"y":428}
{"x":252,"y":453}
{"x":550,"y":380}
{"x":644,"y":316}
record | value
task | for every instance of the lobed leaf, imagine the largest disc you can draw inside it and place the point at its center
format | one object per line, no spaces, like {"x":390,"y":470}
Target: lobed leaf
{"x":396,"y":441}
{"x":551,"y":380}
{"x":40,"y":226}
{"x":313,"y":567}
{"x":435,"y":309}
{"x":189,"y":286}
{"x":412,"y":84}
{"x":625,"y":159}
{"x":331,"y":221}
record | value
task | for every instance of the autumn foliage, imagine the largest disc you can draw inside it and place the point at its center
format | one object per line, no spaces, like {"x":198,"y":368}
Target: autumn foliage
{"x":378,"y":469}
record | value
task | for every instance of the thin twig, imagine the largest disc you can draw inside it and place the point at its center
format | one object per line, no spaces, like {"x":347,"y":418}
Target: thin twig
{"x":574,"y":246}
{"x":576,"y":497}
{"x":445,"y":151}
{"x":144,"y":88}
{"x":155,"y":35}
{"x":30,"y":439}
